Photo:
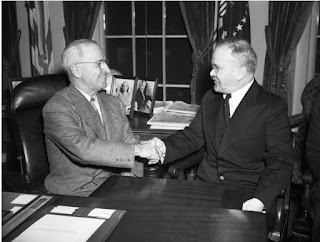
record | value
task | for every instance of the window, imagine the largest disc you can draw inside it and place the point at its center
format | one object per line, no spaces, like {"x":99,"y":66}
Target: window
{"x":149,"y":39}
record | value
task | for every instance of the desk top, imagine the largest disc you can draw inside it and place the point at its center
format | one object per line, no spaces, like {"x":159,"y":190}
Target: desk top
{"x":173,"y":210}
{"x":139,"y":125}
{"x":170,"y":210}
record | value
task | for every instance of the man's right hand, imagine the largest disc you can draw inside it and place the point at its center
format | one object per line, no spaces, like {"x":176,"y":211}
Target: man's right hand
{"x":145,"y":150}
{"x":159,"y":145}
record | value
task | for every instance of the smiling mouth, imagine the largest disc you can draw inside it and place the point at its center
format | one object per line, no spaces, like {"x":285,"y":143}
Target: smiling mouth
{"x":103,"y":77}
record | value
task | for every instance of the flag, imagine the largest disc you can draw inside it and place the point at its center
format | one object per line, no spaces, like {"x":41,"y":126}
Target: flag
{"x":234,"y":20}
{"x":40,"y":38}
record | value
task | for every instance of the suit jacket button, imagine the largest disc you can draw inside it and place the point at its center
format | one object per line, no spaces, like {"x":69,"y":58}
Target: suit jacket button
{"x":221,"y":178}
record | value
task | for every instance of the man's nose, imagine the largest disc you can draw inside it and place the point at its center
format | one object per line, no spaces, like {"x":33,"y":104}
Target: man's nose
{"x":105,"y":67}
{"x":212,"y":73}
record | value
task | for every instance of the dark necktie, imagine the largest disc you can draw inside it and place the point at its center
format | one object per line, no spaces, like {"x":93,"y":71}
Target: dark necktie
{"x":226,"y":108}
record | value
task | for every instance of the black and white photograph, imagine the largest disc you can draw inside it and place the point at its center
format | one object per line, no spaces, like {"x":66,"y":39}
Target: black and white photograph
{"x":123,"y":88}
{"x":145,"y":96}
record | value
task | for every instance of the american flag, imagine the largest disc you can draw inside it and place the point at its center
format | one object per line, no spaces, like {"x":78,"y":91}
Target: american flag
{"x":233,"y":20}
{"x":40,"y":37}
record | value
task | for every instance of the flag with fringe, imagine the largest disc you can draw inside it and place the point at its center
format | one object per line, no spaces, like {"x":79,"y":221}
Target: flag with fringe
{"x":233,"y":20}
{"x":40,"y":38}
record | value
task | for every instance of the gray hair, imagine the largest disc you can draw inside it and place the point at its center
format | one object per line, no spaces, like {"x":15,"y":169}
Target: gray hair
{"x":242,"y":51}
{"x":74,"y":52}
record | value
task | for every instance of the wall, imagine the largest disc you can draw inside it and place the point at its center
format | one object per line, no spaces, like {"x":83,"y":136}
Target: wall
{"x":258,"y":21}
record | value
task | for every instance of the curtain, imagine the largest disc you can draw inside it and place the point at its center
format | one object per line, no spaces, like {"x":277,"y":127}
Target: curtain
{"x":207,"y":22}
{"x":40,"y":38}
{"x":11,"y":67}
{"x":199,"y":19}
{"x":287,"y":21}
{"x":80,"y":19}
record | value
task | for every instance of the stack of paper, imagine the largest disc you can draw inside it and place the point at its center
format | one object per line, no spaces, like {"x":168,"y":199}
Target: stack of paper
{"x":182,"y":107}
{"x":160,"y":106}
{"x":175,"y":116}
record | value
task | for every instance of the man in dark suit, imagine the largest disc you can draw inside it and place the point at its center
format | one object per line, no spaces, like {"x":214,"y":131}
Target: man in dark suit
{"x":313,"y":159}
{"x":87,"y":133}
{"x":247,"y":141}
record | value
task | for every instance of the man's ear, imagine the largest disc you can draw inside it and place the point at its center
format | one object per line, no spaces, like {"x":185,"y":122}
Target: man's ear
{"x":75,"y":71}
{"x":241,"y":72}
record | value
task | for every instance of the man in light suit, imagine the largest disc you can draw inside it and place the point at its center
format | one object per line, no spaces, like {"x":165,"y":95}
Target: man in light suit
{"x":87,"y":133}
{"x":253,"y":146}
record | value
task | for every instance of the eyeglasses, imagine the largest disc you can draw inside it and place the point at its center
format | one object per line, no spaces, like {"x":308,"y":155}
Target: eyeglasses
{"x":98,"y":63}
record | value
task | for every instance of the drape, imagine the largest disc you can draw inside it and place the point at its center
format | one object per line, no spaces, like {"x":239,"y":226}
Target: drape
{"x":199,"y":19}
{"x":287,"y":21}
{"x":10,"y":49}
{"x":80,"y":19}
{"x":10,"y":42}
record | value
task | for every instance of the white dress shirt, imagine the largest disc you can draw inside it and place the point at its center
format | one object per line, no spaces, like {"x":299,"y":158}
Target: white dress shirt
{"x":236,"y":97}
{"x":96,"y":102}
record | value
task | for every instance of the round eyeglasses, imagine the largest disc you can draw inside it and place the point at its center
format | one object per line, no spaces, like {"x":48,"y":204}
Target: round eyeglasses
{"x":99,"y":63}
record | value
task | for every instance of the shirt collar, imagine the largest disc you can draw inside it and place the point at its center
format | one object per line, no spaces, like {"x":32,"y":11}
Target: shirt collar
{"x":239,"y":94}
{"x":86,"y":95}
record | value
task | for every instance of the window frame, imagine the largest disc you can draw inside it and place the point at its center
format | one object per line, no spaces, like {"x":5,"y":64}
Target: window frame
{"x":164,"y":85}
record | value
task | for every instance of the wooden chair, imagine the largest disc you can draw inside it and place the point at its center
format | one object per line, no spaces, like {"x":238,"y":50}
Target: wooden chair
{"x":27,"y":101}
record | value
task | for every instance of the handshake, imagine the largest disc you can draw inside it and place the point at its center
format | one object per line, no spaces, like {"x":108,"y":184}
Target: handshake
{"x":154,"y":150}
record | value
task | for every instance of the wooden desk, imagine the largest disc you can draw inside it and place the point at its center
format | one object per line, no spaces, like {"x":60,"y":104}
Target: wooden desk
{"x":173,"y":210}
{"x":168,"y":210}
{"x":139,"y":127}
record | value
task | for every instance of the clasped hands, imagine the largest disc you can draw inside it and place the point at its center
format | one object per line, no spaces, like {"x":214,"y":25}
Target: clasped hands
{"x":154,"y":150}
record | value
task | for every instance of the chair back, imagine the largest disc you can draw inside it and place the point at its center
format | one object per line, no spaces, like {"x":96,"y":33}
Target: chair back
{"x":301,"y":121}
{"x":27,"y":101}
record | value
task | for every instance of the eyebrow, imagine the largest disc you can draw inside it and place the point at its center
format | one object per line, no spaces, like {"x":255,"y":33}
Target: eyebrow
{"x":215,"y":65}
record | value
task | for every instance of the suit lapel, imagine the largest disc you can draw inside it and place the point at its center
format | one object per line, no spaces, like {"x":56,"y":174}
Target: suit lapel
{"x":109,"y":116}
{"x":244,"y":115}
{"x":214,"y":110}
{"x":86,"y":112}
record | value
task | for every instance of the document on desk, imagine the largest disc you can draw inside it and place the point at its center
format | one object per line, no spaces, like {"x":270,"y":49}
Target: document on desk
{"x":60,"y":228}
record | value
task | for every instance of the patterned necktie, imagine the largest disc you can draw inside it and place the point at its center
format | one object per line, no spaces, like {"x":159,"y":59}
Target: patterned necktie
{"x":226,"y":108}
{"x":93,"y":104}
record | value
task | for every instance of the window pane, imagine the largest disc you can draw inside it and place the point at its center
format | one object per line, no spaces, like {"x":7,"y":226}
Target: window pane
{"x":118,"y":18}
{"x":119,"y":54}
{"x":174,"y":94}
{"x":174,"y":22}
{"x":153,"y":58}
{"x":150,"y":14}
{"x":179,"y":61}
